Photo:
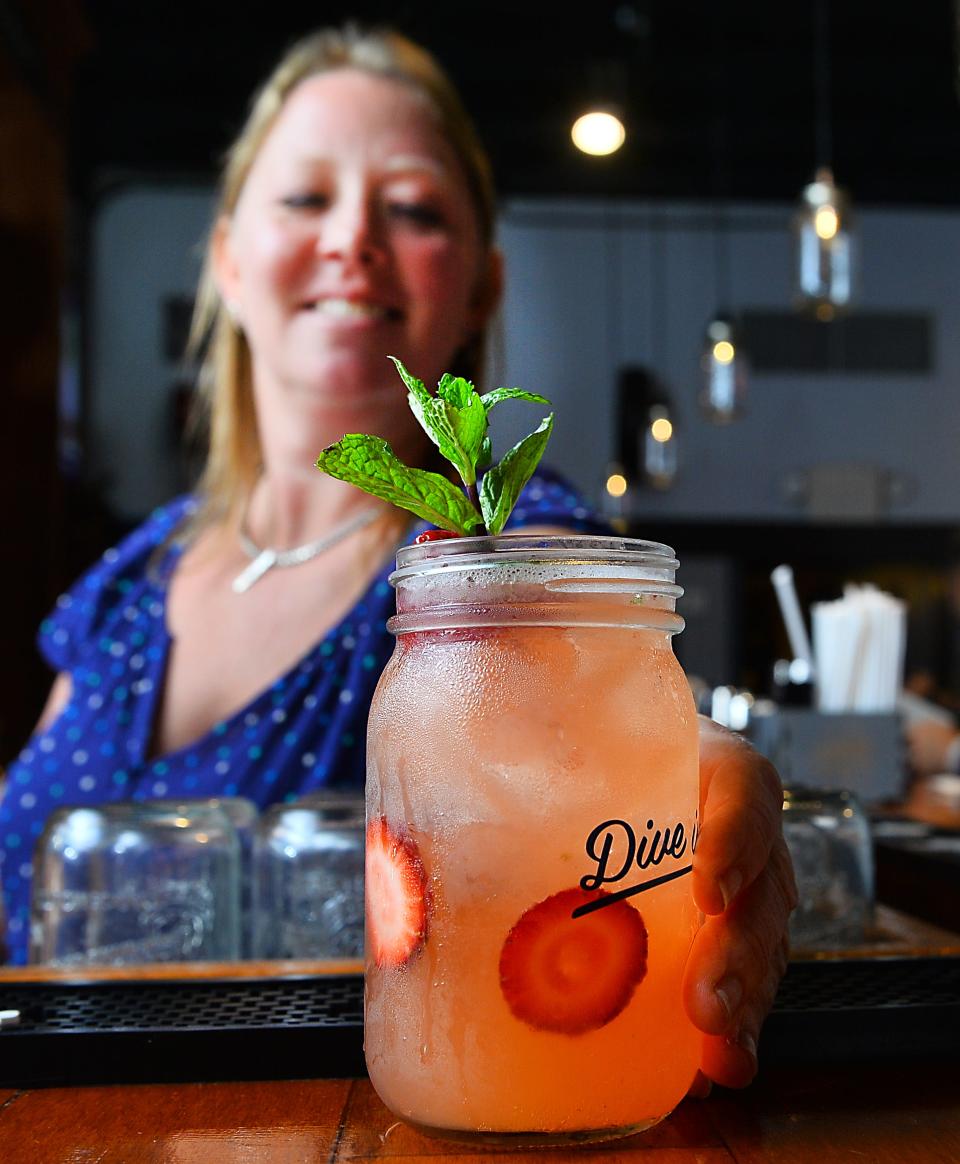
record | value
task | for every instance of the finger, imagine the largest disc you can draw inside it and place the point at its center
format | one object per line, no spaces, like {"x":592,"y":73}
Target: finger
{"x":743,"y":802}
{"x":731,"y":1059}
{"x":737,"y":960}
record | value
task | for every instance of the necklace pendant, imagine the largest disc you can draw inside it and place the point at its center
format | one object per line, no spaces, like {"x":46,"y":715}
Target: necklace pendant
{"x":262,"y":560}
{"x":252,"y":574}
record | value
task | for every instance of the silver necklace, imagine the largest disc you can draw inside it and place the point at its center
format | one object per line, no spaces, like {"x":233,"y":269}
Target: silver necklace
{"x":264,"y":559}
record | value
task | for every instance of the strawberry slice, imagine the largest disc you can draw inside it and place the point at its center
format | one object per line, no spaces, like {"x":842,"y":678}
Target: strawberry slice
{"x":396,"y":892}
{"x":572,"y":975}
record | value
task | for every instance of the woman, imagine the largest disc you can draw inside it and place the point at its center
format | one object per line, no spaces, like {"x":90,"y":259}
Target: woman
{"x":356,"y":221}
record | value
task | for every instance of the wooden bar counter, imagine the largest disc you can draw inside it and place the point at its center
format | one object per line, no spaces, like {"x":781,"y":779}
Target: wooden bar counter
{"x":886,"y":1115}
{"x":827,"y":1106}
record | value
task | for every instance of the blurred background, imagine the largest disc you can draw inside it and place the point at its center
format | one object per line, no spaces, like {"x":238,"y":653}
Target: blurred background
{"x":825,"y":434}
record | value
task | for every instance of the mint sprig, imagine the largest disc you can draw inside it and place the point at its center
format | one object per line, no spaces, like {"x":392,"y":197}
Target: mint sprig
{"x":456,"y":421}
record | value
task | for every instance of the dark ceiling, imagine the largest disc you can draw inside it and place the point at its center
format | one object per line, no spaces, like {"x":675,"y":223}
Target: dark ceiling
{"x":720,"y":97}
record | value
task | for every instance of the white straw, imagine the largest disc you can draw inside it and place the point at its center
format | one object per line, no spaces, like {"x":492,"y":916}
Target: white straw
{"x":782,"y":579}
{"x":859,"y":642}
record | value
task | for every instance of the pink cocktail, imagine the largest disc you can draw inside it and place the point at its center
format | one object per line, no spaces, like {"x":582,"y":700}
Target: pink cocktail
{"x":532,"y":809}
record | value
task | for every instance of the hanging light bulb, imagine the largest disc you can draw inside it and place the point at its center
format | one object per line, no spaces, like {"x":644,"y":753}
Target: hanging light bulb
{"x":723,"y":359}
{"x":725,"y":367}
{"x":824,"y":242}
{"x":599,"y":130}
{"x":822,"y":225}
{"x":646,"y":435}
{"x":659,"y":447}
{"x":615,"y":496}
{"x":598,"y":133}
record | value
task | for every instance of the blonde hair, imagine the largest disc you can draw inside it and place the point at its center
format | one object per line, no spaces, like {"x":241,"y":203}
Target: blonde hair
{"x":224,"y":403}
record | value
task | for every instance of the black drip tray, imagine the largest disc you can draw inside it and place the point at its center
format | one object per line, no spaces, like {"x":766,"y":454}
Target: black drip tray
{"x":168,"y":1031}
{"x":287,"y":1028}
{"x":185,"y":1006}
{"x":860,"y":984}
{"x":843,"y":1009}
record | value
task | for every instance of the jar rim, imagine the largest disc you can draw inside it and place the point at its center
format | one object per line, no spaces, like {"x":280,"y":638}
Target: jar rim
{"x":513,"y":548}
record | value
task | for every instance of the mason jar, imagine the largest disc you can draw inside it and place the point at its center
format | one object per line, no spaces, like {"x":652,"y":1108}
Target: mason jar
{"x":532,"y":812}
{"x":831,"y":848}
{"x":242,"y":814}
{"x":133,"y":882}
{"x":309,"y":879}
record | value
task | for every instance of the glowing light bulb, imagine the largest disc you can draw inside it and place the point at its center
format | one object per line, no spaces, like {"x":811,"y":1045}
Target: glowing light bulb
{"x":616,"y":485}
{"x":826,"y":222}
{"x":723,"y":352}
{"x":660,"y":448}
{"x":661,"y":430}
{"x":825,"y":248}
{"x":725,"y":372}
{"x":598,"y":133}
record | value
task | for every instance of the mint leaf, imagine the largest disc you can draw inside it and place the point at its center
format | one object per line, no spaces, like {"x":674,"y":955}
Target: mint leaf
{"x":455,"y":420}
{"x":489,"y":399}
{"x":370,"y":463}
{"x":466,"y":421}
{"x":503,"y":483}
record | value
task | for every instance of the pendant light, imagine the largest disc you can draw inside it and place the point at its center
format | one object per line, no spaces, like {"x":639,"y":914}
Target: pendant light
{"x":822,"y":228}
{"x":600,"y":129}
{"x":723,"y":358}
{"x":724,"y":365}
{"x":824,"y":248}
{"x":660,"y":447}
{"x":648,"y":446}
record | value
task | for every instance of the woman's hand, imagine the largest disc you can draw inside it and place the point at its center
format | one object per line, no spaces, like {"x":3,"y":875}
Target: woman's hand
{"x":743,"y":881}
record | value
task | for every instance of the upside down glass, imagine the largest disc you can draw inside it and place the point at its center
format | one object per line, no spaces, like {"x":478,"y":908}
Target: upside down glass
{"x":133,"y":882}
{"x":532,"y":810}
{"x":309,"y":884}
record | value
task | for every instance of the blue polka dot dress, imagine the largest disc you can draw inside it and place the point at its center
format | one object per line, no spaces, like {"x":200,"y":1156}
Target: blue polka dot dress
{"x":109,"y":633}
